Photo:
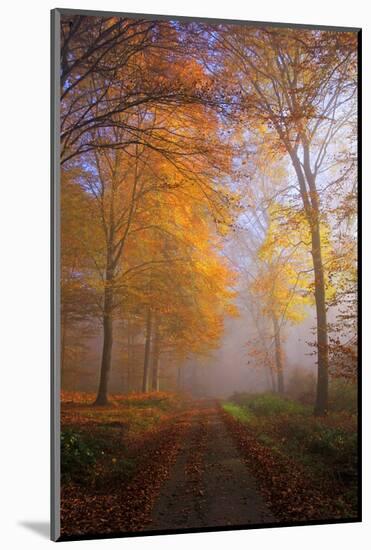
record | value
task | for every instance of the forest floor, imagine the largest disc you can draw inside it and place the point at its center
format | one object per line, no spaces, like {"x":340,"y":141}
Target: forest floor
{"x":164,"y":462}
{"x":209,"y":485}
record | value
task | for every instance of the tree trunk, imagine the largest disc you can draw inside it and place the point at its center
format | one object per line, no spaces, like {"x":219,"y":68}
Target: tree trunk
{"x":278,"y":355}
{"x":321,"y":405}
{"x":102,"y":395}
{"x":312,"y":211}
{"x":156,"y":360}
{"x":147,"y":349}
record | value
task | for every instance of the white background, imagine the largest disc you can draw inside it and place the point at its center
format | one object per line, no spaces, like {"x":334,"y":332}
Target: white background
{"x":24,"y":253}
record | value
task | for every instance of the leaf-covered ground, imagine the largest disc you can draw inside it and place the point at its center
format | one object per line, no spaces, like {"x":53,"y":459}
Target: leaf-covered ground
{"x":306,"y":466}
{"x":151,"y":462}
{"x":122,"y":456}
{"x":209,"y":485}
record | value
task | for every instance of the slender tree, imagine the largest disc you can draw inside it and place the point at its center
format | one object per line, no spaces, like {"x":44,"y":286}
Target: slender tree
{"x":301,"y":90}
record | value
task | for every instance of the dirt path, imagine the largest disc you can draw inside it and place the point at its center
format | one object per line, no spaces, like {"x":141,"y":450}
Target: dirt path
{"x":210,"y":485}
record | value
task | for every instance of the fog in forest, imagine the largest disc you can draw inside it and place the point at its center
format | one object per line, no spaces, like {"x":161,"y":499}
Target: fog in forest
{"x":216,"y":252}
{"x":208,"y":282}
{"x":231,"y":367}
{"x":227,"y":369}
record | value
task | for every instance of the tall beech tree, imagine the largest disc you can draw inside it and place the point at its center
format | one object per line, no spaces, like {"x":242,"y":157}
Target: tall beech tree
{"x":131,"y":189}
{"x":189,"y":284}
{"x":300,"y":89}
{"x":133,"y":117}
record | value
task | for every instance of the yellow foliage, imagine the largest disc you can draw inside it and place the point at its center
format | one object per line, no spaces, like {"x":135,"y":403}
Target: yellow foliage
{"x":285,"y":281}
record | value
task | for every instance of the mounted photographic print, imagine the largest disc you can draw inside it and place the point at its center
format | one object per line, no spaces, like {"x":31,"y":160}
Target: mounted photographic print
{"x":204,"y":275}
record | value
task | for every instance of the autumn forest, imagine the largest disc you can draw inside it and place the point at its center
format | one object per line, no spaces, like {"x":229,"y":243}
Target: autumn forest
{"x":208,"y":281}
